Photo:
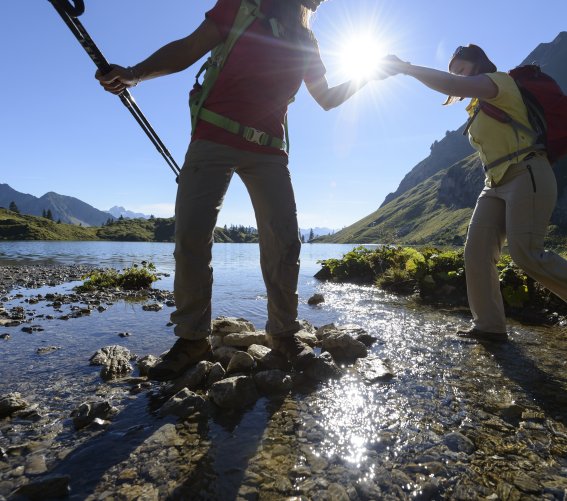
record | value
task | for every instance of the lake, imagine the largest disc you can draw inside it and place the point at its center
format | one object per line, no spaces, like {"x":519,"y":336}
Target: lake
{"x":458,"y":421}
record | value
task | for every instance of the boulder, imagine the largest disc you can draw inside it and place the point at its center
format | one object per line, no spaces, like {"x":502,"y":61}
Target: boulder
{"x":273,"y":382}
{"x":240,"y":362}
{"x":230,"y":324}
{"x":11,"y":403}
{"x":183,"y":404}
{"x":343,"y":347}
{"x":234,"y":392}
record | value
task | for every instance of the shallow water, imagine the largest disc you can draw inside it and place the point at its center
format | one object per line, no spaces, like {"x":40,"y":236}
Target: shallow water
{"x":387,"y":440}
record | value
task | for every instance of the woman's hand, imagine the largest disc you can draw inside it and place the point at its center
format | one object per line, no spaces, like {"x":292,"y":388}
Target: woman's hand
{"x":118,"y":79}
{"x":393,"y":65}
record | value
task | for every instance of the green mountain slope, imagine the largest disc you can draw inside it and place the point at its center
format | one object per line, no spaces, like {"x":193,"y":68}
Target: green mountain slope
{"x":434,"y":201}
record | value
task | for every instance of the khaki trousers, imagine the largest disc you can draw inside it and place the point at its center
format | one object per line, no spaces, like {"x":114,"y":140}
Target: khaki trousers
{"x":203,"y":182}
{"x":519,"y":209}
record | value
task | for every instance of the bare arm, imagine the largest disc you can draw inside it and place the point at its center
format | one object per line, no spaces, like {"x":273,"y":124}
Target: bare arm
{"x":171,"y":58}
{"x":331,"y":97}
{"x":479,"y":86}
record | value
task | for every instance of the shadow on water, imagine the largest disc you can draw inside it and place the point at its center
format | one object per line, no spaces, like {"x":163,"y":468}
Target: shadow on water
{"x":233,"y":438}
{"x":87,"y":464}
{"x":543,"y":388}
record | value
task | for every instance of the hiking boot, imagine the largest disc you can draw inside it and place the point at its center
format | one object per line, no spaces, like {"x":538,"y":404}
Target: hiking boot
{"x":297,"y":353}
{"x":182,"y":355}
{"x":474,"y":333}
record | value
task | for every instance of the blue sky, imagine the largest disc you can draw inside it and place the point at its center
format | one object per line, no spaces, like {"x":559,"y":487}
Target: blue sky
{"x":61,"y":132}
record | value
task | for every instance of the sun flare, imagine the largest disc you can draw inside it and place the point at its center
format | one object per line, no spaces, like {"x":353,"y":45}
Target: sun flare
{"x":360,"y":55}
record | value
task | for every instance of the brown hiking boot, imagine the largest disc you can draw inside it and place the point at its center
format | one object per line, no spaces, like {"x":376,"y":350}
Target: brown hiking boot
{"x":494,"y":337}
{"x":297,"y":353}
{"x":182,"y":355}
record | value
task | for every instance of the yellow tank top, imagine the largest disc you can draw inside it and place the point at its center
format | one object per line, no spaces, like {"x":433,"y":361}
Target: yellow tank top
{"x":493,"y":139}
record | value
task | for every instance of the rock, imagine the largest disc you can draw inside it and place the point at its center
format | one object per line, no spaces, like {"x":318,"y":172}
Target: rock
{"x":47,"y":349}
{"x":343,"y":347}
{"x":216,"y":373}
{"x":11,"y":403}
{"x":268,"y":359}
{"x":323,"y":368}
{"x":87,"y":412}
{"x":244,"y":339}
{"x":35,"y":464}
{"x":46,"y":488}
{"x":5,"y":336}
{"x":457,"y":442}
{"x":240,"y":362}
{"x":223,"y":354}
{"x":234,"y":392}
{"x":115,"y":361}
{"x":152,"y":307}
{"x":309,"y":338}
{"x":146,"y":363}
{"x":372,"y":369}
{"x":183,"y":404}
{"x":273,"y":381}
{"x":307,"y":326}
{"x":316,"y":299}
{"x":321,"y":332}
{"x":231,"y":324}
{"x":192,"y":379}
{"x":366,"y":339}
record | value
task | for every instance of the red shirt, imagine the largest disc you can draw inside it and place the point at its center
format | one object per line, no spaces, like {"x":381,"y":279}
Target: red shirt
{"x":261,"y":74}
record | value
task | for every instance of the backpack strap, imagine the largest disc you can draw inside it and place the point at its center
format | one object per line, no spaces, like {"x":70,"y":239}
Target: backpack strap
{"x":249,"y":133}
{"x":503,"y":117}
{"x":248,"y":12}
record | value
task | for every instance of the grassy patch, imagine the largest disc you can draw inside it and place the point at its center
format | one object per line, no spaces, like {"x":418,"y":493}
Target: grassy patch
{"x":133,"y":278}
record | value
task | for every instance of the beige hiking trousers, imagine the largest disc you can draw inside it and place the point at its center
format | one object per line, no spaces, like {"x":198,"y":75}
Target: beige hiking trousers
{"x":203,"y":182}
{"x":519,"y":209}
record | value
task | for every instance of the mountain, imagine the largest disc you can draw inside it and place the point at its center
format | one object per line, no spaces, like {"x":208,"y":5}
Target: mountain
{"x":434,"y":201}
{"x":122,"y":212}
{"x":63,"y":208}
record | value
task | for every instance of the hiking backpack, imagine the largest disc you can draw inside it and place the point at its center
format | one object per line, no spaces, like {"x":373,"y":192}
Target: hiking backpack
{"x":547,"y":112}
{"x":248,"y":12}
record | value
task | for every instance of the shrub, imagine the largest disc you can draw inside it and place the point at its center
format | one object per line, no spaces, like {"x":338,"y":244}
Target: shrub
{"x":133,"y":278}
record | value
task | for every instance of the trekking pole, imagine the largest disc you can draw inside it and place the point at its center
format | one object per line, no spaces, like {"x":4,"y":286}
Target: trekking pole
{"x":69,"y":13}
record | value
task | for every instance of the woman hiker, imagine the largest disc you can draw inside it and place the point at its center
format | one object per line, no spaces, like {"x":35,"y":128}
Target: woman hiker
{"x":263,"y":71}
{"x":520,"y":188}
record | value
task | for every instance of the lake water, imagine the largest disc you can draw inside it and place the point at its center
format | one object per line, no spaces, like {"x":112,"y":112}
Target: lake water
{"x":346,"y":433}
{"x":238,"y":288}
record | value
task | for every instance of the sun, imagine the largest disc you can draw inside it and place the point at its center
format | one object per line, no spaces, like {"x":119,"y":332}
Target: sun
{"x":360,"y":55}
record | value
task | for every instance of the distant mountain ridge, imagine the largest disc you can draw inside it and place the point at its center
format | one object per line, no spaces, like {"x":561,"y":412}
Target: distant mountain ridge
{"x":63,"y":208}
{"x":122,"y":212}
{"x":434,"y":201}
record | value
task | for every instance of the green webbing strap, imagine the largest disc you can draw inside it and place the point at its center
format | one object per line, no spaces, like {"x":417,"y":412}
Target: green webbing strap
{"x":249,"y":133}
{"x":248,"y":12}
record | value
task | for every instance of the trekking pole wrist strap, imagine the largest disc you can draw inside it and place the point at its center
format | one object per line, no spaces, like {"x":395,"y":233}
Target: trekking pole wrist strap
{"x":249,"y":133}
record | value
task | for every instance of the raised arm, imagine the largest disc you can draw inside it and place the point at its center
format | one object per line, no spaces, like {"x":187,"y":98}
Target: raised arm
{"x":331,"y":97}
{"x":479,"y":86}
{"x":171,"y":58}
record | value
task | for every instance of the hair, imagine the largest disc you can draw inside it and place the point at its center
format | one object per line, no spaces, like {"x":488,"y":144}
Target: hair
{"x":294,"y":17}
{"x":474,"y":54}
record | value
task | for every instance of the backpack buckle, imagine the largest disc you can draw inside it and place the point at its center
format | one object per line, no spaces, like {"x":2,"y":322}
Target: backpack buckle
{"x":255,"y":136}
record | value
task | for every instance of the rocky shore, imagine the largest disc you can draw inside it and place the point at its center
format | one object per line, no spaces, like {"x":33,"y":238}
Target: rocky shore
{"x":394,"y":410}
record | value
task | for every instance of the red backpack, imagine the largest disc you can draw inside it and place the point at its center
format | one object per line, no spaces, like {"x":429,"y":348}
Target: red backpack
{"x":546,"y":105}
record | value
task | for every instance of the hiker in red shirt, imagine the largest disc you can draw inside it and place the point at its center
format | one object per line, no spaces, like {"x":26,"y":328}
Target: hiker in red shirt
{"x":240,"y":130}
{"x":520,"y":189}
